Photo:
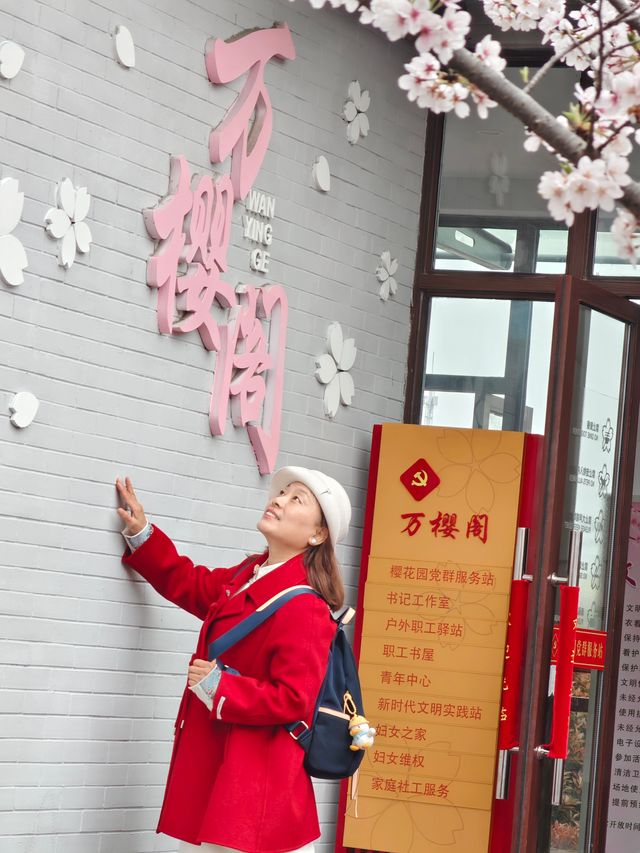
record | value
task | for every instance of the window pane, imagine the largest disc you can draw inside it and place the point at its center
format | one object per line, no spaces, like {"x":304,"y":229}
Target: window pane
{"x":552,"y":250}
{"x":487,"y":363}
{"x":607,"y":262}
{"x":490,"y":214}
{"x":538,"y":366}
{"x":468,"y":336}
{"x":594,"y":446}
{"x":447,"y":408}
{"x":461,"y":247}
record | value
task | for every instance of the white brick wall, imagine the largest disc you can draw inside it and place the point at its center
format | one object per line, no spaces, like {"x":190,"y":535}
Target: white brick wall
{"x":92,"y":660}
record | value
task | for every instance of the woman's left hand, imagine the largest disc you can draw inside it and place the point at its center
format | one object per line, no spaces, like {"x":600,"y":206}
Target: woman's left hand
{"x":198,"y":670}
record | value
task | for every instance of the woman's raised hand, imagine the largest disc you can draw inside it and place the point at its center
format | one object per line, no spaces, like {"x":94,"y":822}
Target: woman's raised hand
{"x":131,"y":511}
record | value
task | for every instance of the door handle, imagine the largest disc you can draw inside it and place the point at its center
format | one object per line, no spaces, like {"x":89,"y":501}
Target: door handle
{"x":509,"y":727}
{"x":575,"y":552}
{"x":563,"y":683}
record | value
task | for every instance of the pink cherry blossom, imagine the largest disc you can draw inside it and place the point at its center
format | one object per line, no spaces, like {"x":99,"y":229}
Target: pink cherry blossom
{"x":453,"y":33}
{"x":393,"y":18}
{"x":430,"y":32}
{"x":553,"y":188}
{"x":590,"y":186}
{"x":488,"y":51}
{"x":366,"y":15}
{"x":624,"y":231}
{"x":459,"y":94}
{"x":482,"y":101}
{"x":423,"y":70}
{"x":531,"y":142}
{"x":618,"y":170}
{"x":420,"y":9}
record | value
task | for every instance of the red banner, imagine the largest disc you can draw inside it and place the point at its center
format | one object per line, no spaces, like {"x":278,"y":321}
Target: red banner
{"x":591,"y":648}
{"x":508,"y":732}
{"x":564,"y":672}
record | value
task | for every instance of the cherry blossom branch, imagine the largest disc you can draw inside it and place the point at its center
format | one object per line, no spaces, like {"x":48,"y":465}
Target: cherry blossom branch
{"x":521,"y":105}
{"x":576,"y":44}
{"x":631,"y":12}
{"x":600,"y":148}
{"x":534,"y":116}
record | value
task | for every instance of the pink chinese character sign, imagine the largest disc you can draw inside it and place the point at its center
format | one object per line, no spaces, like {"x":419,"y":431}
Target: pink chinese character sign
{"x":226,"y":61}
{"x":192,"y":229}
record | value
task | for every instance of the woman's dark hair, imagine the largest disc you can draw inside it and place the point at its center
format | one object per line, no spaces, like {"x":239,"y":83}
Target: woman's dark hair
{"x":323,"y":571}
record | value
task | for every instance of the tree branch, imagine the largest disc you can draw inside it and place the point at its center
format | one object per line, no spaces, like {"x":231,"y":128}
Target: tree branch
{"x":525,"y":108}
{"x":521,"y":105}
{"x":577,"y":44}
{"x":630,"y":10}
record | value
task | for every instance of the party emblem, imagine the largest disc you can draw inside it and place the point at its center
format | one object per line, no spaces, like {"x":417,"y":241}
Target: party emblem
{"x":420,"y":479}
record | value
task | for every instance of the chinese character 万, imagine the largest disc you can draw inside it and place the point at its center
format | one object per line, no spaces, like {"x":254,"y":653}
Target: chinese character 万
{"x":245,"y":130}
{"x":414,"y":524}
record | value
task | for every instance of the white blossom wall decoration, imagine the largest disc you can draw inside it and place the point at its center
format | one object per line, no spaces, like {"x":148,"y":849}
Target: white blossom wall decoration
{"x":499,"y":182}
{"x":385,"y":273}
{"x":354,"y":112}
{"x":66,"y":222}
{"x":321,"y":174}
{"x":11,"y":59}
{"x":23,"y":408}
{"x":13,"y":258}
{"x":333,"y":370}
{"x":124,"y":47}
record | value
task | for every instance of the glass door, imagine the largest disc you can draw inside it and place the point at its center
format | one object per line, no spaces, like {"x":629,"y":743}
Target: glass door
{"x":487,"y":366}
{"x":589,"y":519}
{"x":578,"y":587}
{"x":569,"y":370}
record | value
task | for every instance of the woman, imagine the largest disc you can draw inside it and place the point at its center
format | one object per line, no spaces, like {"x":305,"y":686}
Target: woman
{"x":236,"y":780}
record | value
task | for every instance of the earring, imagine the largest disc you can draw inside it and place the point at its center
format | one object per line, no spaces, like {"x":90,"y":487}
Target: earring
{"x":313,"y":540}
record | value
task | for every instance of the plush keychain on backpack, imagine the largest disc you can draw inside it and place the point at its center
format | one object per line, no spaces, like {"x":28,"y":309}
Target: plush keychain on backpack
{"x":361,"y":732}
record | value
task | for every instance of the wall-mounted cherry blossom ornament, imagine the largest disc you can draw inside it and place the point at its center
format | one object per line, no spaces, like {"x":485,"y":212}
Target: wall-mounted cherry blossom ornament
{"x":385,"y":273}
{"x":124,"y":47}
{"x":322,"y":174}
{"x":11,"y":59}
{"x":354,"y":112}
{"x":332,"y":370}
{"x":13,"y":258}
{"x":499,"y":182}
{"x":24,"y":408}
{"x":66,"y":222}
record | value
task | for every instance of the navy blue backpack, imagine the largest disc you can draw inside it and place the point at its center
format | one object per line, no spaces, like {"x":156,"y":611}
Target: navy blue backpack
{"x":327,"y":742}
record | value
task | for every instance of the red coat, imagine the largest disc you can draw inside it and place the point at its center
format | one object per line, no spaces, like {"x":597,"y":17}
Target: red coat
{"x":238,"y":781}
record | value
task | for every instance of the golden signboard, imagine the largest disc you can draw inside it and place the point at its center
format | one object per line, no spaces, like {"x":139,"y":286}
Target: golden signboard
{"x":441,"y":522}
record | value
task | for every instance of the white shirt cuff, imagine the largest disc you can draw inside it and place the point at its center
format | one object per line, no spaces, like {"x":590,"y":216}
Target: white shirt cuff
{"x":205,"y":689}
{"x":138,"y":539}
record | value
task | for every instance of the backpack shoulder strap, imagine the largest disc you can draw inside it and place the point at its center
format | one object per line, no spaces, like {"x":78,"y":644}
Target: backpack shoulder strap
{"x":260,"y":615}
{"x":345,"y":617}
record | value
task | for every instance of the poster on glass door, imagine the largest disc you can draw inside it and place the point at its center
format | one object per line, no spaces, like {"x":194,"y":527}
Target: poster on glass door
{"x":623,"y":822}
{"x":590,"y":479}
